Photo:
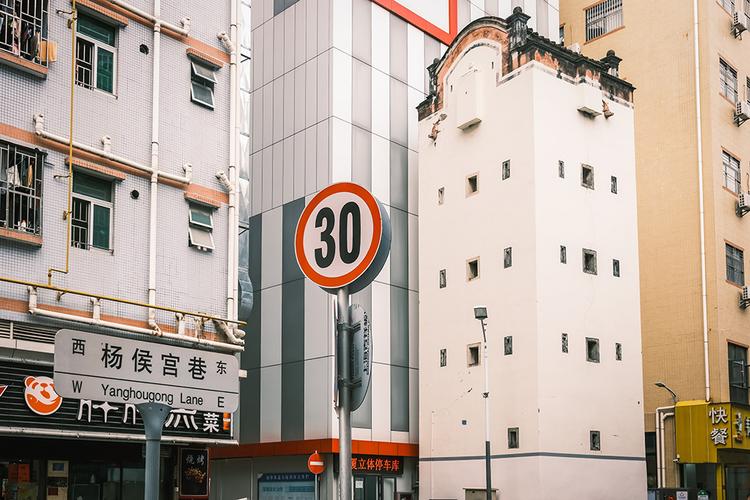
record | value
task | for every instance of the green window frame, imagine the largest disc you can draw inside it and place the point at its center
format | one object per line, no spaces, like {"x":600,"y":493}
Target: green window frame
{"x":92,"y":212}
{"x":96,"y":54}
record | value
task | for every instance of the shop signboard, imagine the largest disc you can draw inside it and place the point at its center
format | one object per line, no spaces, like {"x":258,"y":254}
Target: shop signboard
{"x":286,"y":486}
{"x":129,"y":371}
{"x":704,"y":429}
{"x":27,"y":391}
{"x":376,"y":464}
{"x":194,"y":473}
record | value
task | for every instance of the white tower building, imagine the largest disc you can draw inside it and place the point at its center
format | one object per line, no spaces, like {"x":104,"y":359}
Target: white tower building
{"x":527,"y":205}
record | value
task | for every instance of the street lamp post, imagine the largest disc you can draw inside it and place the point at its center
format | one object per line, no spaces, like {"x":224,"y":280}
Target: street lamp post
{"x":480,"y":313}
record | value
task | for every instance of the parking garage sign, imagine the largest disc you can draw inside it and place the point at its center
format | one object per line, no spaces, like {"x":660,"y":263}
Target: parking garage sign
{"x":120,"y":370}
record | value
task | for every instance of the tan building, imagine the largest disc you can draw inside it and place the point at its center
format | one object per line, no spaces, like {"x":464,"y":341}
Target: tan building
{"x":691,"y":232}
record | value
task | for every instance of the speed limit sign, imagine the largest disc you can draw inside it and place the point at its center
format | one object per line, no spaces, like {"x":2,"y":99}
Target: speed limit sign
{"x":343,"y":238}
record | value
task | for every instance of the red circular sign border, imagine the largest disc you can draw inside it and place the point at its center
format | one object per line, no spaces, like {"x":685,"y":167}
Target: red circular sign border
{"x":372,"y":251}
{"x":310,"y":467}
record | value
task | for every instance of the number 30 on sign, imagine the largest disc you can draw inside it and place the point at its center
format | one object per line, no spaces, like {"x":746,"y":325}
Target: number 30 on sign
{"x":343,"y":238}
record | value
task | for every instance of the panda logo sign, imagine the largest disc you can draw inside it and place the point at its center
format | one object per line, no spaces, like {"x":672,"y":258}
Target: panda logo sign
{"x":40,"y":395}
{"x":343,"y":238}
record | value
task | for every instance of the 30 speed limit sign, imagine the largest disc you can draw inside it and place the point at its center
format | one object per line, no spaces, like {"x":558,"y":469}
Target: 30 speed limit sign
{"x":343,"y":238}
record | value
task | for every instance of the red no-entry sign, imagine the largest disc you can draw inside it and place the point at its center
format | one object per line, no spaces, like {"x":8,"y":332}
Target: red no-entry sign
{"x":315,"y":464}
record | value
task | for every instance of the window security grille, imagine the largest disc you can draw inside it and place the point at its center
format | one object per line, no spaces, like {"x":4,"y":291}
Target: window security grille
{"x":21,"y":188}
{"x":732,"y":172}
{"x":737,"y":357}
{"x":23,"y":29}
{"x":735,"y":265}
{"x":603,"y":18}
{"x":727,"y":81}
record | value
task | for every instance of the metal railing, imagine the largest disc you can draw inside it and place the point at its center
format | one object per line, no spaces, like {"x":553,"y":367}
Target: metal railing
{"x":23,"y":28}
{"x":20,"y":189}
{"x":603,"y":18}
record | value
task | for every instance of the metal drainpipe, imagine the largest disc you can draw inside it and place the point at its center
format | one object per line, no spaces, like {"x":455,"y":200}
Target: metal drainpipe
{"x":699,"y":137}
{"x":232,"y":231}
{"x":153,"y":208}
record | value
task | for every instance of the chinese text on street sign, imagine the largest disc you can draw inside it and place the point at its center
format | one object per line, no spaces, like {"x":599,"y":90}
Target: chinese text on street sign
{"x":119,"y":370}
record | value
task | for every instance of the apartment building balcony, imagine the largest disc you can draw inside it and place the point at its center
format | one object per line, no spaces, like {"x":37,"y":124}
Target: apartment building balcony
{"x":21,"y":194}
{"x":23,"y":36}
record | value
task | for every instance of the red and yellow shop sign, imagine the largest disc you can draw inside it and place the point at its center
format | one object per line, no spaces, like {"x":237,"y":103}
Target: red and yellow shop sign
{"x":705,"y":428}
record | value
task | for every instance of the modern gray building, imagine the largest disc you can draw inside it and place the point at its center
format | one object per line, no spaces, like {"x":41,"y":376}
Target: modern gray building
{"x":333,"y":96}
{"x":114,"y":217}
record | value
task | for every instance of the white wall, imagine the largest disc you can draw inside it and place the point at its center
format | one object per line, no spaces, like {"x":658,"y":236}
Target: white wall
{"x":555,"y":399}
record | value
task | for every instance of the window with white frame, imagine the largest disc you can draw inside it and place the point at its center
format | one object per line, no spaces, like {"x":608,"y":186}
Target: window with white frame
{"x":732,"y":176}
{"x":603,"y":17}
{"x":202,"y":81}
{"x":727,"y":81}
{"x":96,"y":54}
{"x":91,"y":222}
{"x":200,"y":228}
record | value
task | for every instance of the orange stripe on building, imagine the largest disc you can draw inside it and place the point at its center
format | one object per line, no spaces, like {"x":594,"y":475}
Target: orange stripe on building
{"x":306,"y":447}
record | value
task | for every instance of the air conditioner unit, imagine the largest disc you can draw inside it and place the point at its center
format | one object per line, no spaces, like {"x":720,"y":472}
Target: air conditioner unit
{"x":743,"y":204}
{"x":739,"y":23}
{"x":742,"y":112}
{"x":744,"y":298}
{"x":575,"y":47}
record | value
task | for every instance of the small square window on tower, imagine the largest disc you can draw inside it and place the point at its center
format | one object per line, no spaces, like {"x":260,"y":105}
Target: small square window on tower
{"x":443,"y":357}
{"x":561,"y":169}
{"x":472,"y":269}
{"x":618,"y":351}
{"x":506,"y":169}
{"x":613,"y":184}
{"x":472,"y":184}
{"x":592,"y":350}
{"x":587,"y":176}
{"x":441,"y":195}
{"x":616,"y":268}
{"x":563,"y":254}
{"x":589,"y":261}
{"x":508,"y":345}
{"x":442,"y":279}
{"x":595,"y":442}
{"x":513,"y":441}
{"x":507,"y":257}
{"x":564,"y":339}
{"x":472,"y":355}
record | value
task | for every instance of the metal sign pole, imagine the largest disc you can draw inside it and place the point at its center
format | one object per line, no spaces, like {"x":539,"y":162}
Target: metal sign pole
{"x":317,"y":491}
{"x":154,"y":415}
{"x":345,"y":403}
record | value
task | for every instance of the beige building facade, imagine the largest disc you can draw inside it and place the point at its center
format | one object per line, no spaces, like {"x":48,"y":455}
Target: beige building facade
{"x":689,"y":63}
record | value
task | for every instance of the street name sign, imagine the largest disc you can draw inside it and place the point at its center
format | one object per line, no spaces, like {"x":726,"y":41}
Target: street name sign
{"x":342,"y":238}
{"x":361,"y":367}
{"x":120,"y":370}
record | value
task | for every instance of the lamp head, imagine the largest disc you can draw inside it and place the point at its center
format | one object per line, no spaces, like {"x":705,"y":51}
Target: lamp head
{"x":480,"y":312}
{"x":660,"y":384}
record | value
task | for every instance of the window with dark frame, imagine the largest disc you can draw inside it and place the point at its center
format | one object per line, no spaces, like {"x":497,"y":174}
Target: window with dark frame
{"x":564,"y":341}
{"x":472,"y":355}
{"x":727,"y":81}
{"x":737,"y":358}
{"x":202,"y":82}
{"x":589,"y":261}
{"x":508,"y":345}
{"x":615,"y":268}
{"x":441,"y":195}
{"x":735,"y":265}
{"x":513,"y":438}
{"x":21,"y":188}
{"x":507,"y":257}
{"x":443,"y":357}
{"x":472,"y":269}
{"x":472,"y":184}
{"x":506,"y":169}
{"x":561,"y":169}
{"x":613,"y":184}
{"x":595,"y":441}
{"x":96,"y":53}
{"x":618,"y":351}
{"x":592,"y":350}
{"x":732,"y":172}
{"x":442,"y":279}
{"x":563,"y":254}
{"x":587,"y":176}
